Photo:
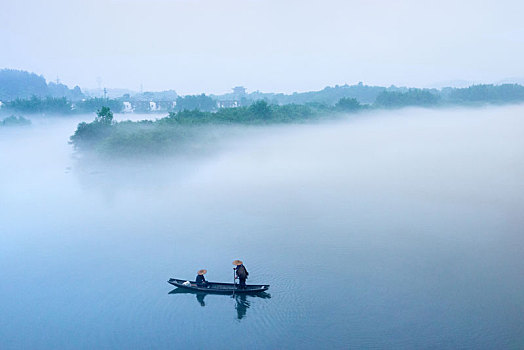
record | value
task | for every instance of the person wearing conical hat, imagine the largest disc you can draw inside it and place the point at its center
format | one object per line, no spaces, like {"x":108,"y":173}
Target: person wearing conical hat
{"x":241,"y":273}
{"x":200,"y":279}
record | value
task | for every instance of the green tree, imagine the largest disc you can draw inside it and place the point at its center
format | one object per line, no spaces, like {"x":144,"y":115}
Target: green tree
{"x":88,"y":135}
{"x":347,"y":104}
{"x":15,"y":121}
{"x":94,"y":104}
{"x":104,"y":116}
{"x":412,"y":97}
{"x":260,"y":110}
{"x":192,"y":102}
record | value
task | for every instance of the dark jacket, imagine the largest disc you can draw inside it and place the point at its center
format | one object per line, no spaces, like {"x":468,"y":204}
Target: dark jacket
{"x":200,"y":279}
{"x":242,"y":272}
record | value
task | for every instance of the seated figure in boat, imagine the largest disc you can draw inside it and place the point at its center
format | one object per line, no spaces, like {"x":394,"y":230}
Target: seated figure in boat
{"x":200,"y":279}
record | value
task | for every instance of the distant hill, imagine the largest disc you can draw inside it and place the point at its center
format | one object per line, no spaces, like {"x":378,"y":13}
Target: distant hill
{"x":108,"y":92}
{"x":24,"y":85}
{"x":330,"y":95}
{"x":26,"y":92}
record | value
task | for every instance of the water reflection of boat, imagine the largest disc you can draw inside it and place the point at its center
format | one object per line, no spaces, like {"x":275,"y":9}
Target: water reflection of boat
{"x":242,"y":302}
{"x":219,"y":288}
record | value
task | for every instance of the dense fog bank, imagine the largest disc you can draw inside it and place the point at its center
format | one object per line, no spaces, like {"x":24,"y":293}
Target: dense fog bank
{"x":419,"y":213}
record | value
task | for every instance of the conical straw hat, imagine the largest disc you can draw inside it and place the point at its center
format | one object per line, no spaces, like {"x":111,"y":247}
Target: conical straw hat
{"x":201,"y":272}
{"x":237,"y":262}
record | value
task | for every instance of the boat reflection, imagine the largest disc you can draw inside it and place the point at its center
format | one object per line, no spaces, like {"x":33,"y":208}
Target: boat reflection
{"x":242,"y":302}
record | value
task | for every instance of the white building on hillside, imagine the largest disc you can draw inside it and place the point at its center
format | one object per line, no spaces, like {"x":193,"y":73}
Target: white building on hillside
{"x":128,"y":108}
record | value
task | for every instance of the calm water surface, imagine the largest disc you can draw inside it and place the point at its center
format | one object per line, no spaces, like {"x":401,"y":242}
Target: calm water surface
{"x":397,"y":230}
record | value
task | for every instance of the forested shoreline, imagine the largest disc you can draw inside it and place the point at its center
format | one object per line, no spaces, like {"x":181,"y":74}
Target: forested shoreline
{"x":183,"y":130}
{"x":27,"y":93}
{"x":386,"y":98}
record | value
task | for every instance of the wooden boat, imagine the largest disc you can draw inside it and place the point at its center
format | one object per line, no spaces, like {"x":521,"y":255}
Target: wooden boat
{"x":219,"y":288}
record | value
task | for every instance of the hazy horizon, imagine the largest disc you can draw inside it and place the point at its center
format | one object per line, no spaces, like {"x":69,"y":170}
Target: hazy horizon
{"x":207,"y":47}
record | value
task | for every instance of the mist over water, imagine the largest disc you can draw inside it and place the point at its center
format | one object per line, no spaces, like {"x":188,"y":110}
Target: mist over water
{"x":397,"y":229}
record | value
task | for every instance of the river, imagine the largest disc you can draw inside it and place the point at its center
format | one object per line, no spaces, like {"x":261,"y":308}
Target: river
{"x":398,"y":229}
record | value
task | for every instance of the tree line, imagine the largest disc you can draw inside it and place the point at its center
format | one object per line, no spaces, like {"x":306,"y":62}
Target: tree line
{"x":473,"y":95}
{"x":60,"y":105}
{"x":179,"y":128}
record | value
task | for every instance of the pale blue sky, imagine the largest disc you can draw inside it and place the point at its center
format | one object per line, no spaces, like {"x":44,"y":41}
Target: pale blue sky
{"x":271,"y":45}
